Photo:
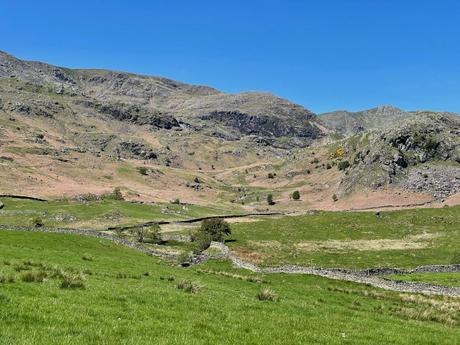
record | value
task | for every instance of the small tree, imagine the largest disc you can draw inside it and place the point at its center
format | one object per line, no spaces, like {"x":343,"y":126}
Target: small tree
{"x":148,"y":234}
{"x":343,"y":165}
{"x":296,"y":195}
{"x":216,"y":228}
{"x":270,"y":199}
{"x":334,"y":198}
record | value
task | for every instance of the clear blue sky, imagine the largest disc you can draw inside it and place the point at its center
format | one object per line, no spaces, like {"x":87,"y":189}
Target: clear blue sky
{"x":324,"y":54}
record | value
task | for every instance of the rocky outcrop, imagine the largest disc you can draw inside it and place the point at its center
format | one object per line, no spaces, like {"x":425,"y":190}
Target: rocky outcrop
{"x":137,"y":150}
{"x":440,"y":181}
{"x":390,"y":157}
{"x":264,"y":126}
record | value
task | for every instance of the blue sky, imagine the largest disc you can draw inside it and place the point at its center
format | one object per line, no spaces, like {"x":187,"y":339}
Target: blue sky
{"x":325,"y":55}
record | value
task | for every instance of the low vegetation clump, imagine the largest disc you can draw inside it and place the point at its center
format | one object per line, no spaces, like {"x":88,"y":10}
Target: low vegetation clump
{"x":37,"y":222}
{"x":296,"y":195}
{"x":270,"y":200}
{"x":143,"y":171}
{"x":189,"y":286}
{"x":267,"y":295}
{"x":150,"y":234}
{"x":185,"y":259}
{"x":33,"y":277}
{"x":114,"y":195}
{"x":343,"y":165}
{"x":335,"y":198}
{"x":7,"y":278}
{"x":73,"y":281}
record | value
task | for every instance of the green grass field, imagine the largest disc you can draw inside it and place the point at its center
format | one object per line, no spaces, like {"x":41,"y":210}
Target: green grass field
{"x":97,"y":214}
{"x":122,"y":304}
{"x":406,"y":238}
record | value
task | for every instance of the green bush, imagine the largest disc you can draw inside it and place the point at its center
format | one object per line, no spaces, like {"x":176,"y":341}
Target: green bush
{"x":271,"y":175}
{"x":296,"y":195}
{"x":343,"y":165}
{"x":216,"y":228}
{"x":37,"y":222}
{"x":149,"y":234}
{"x":335,"y":198}
{"x":176,"y":201}
{"x":202,"y":241}
{"x":270,"y":199}
{"x":185,"y":259}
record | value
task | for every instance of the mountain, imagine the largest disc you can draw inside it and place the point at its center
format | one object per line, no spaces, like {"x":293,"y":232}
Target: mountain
{"x":67,"y":132}
{"x":152,"y":101}
{"x":349,"y":123}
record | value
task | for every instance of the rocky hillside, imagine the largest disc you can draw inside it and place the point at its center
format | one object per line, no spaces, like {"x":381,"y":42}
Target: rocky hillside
{"x":420,"y":152}
{"x":38,"y":89}
{"x":350,"y":123}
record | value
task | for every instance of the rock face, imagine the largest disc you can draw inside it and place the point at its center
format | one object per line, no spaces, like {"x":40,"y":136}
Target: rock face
{"x":440,"y":181}
{"x":350,"y":123}
{"x":397,"y":155}
{"x":38,"y":89}
{"x":264,"y":126}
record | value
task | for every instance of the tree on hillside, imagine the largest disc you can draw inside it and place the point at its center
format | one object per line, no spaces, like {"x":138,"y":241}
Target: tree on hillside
{"x":270,"y":199}
{"x":296,"y":195}
{"x":216,"y":229}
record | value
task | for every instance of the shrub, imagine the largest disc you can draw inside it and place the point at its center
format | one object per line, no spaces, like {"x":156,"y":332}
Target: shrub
{"x":202,"y":241}
{"x":315,"y":161}
{"x":343,"y":165}
{"x":37,"y":222}
{"x":150,"y":234}
{"x":267,"y":295}
{"x":185,"y":259}
{"x":216,"y":228}
{"x":296,"y":195}
{"x":270,"y":199}
{"x":328,"y":166}
{"x":143,"y":171}
{"x":271,"y":175}
{"x":176,"y":201}
{"x":114,"y":195}
{"x":196,"y":180}
{"x":189,"y":286}
{"x":335,"y":198}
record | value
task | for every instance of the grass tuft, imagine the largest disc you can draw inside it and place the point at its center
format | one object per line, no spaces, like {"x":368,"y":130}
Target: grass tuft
{"x":268,"y":295}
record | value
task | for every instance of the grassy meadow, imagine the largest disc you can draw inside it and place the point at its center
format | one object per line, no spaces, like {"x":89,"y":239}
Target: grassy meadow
{"x":98,"y":214}
{"x":406,"y":238}
{"x":68,"y":289}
